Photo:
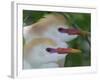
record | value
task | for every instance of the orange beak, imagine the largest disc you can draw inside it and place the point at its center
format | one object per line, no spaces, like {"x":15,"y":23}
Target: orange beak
{"x":63,"y":50}
{"x":72,"y":31}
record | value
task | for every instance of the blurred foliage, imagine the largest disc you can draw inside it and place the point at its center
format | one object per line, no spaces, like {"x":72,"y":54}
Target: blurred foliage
{"x":30,"y":17}
{"x":80,"y":21}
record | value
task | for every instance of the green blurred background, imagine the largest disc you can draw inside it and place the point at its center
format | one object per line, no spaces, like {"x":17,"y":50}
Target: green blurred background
{"x":80,"y":21}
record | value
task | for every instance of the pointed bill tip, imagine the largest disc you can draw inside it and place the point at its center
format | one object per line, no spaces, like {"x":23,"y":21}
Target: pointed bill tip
{"x":68,"y":50}
{"x":75,"y":51}
{"x":85,"y":33}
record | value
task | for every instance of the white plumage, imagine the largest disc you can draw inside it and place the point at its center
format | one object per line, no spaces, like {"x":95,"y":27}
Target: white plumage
{"x":42,"y":35}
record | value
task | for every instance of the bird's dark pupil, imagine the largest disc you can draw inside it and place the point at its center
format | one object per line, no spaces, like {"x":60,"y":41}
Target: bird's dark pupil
{"x":51,"y":50}
{"x":48,"y":49}
{"x":60,"y":29}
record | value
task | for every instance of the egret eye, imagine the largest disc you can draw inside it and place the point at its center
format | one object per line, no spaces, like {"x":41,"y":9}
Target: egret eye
{"x":60,"y":29}
{"x":51,"y":50}
{"x":48,"y":49}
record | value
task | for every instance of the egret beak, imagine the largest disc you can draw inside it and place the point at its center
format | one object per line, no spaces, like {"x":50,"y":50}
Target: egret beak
{"x":63,"y":50}
{"x":72,"y":31}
